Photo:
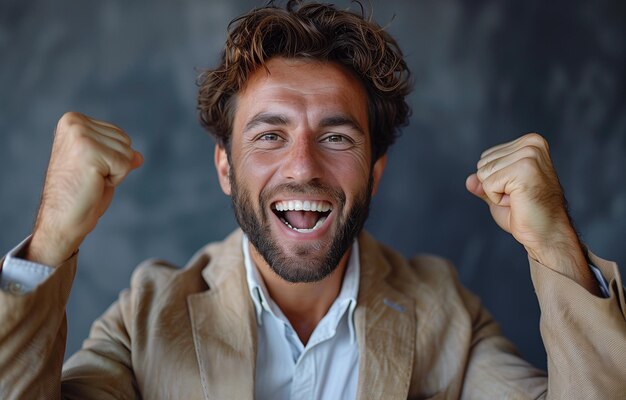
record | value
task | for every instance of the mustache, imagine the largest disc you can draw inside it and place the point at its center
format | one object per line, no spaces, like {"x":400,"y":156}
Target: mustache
{"x":311,"y":188}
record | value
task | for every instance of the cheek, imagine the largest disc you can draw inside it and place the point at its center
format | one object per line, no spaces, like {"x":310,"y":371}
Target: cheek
{"x":257,"y":169}
{"x":351,"y":171}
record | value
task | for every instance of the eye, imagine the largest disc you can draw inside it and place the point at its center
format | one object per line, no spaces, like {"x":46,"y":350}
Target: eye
{"x":269,"y":140}
{"x":269,"y":137}
{"x":334,"y":139}
{"x":337,"y":141}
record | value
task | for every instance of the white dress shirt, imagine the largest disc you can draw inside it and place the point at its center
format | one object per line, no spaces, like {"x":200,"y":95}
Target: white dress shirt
{"x":327,"y":367}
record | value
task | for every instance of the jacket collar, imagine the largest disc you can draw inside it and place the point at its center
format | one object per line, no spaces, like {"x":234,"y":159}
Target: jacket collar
{"x":386,"y":325}
{"x":223,"y":324}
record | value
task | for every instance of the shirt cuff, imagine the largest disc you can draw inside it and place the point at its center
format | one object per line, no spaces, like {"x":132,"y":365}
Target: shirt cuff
{"x":20,"y":276}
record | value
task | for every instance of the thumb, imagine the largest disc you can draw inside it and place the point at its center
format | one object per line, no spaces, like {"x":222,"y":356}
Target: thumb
{"x":475,"y":187}
{"x":137,"y":160}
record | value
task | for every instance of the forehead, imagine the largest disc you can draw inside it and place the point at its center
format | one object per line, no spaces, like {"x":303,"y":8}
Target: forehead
{"x":299,"y":86}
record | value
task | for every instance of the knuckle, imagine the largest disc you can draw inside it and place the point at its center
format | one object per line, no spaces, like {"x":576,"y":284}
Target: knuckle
{"x":120,"y":135}
{"x":487,"y":170}
{"x":76,"y":132}
{"x":124,"y":137}
{"x":488,"y":184}
{"x":537,"y":140}
{"x":528,"y":164}
{"x":480,"y":173}
{"x":490,"y":167}
{"x":83,"y":145}
{"x":70,"y":119}
{"x":530,"y":151}
{"x":484,"y":172}
{"x":71,"y":125}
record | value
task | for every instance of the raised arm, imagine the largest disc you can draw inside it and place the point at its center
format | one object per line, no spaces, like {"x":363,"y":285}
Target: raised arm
{"x":584,"y":333}
{"x":89,"y":159}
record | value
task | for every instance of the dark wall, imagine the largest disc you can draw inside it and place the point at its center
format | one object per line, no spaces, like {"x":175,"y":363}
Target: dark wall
{"x":485,"y":72}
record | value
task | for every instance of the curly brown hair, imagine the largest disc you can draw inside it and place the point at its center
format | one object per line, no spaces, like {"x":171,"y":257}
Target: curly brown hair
{"x":313,"y":31}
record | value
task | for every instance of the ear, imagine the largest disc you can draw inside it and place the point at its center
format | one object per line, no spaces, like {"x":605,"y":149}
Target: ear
{"x":223,"y":168}
{"x":377,"y":172}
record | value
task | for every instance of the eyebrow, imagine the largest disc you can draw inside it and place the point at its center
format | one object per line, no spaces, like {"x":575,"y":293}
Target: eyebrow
{"x":282,"y":120}
{"x":341,"y":120}
{"x":266,"y":118}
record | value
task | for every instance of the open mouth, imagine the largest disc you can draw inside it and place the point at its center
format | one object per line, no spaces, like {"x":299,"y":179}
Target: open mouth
{"x":302,"y":216}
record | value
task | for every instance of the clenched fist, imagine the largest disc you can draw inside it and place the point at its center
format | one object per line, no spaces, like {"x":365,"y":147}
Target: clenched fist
{"x":89,"y":160}
{"x":519,"y":183}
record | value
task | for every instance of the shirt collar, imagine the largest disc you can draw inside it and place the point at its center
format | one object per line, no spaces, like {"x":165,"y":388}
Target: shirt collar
{"x":263,"y":302}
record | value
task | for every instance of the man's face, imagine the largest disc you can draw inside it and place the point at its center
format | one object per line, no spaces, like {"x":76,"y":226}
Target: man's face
{"x":300,"y":173}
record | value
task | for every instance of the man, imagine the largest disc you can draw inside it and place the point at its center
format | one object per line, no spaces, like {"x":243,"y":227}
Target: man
{"x":300,"y":303}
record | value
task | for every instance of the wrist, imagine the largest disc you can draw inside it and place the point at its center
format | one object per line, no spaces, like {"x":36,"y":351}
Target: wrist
{"x":567,"y":257}
{"x":50,"y":249}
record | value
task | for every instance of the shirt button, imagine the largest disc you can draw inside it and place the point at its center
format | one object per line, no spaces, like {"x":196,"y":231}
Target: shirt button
{"x":15,"y":288}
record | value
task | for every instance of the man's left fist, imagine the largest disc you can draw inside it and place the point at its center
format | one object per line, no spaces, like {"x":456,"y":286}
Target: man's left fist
{"x":519,"y":183}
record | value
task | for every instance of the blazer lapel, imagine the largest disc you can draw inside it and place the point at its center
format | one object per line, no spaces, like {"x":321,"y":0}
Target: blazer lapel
{"x":224,"y":329}
{"x":385,"y":325}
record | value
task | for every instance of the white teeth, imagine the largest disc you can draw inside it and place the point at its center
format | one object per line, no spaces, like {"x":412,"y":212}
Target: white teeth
{"x":304,"y":230}
{"x":306,"y":205}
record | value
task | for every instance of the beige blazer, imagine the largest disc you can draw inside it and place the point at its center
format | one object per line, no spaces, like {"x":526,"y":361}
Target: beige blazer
{"x":190,"y":334}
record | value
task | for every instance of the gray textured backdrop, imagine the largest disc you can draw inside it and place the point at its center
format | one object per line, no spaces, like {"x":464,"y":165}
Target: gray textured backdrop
{"x":486,"y":71}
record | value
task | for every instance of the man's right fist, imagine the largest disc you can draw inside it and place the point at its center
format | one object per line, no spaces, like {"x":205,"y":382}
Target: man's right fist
{"x":89,"y":159}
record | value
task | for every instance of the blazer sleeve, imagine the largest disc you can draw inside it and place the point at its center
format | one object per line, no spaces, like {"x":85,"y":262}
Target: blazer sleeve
{"x":33,"y":332}
{"x":102,"y":368}
{"x":584,"y":337}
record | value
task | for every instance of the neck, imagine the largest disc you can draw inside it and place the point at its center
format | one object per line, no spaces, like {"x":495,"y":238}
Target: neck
{"x":304,"y":304}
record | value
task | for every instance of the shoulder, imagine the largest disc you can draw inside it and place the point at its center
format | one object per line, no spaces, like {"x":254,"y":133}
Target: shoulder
{"x":424,"y":268}
{"x":423,"y":277}
{"x":430,"y":281}
{"x":157,"y":275}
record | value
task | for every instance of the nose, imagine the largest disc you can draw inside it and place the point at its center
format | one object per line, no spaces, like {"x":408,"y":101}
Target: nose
{"x":301,"y":163}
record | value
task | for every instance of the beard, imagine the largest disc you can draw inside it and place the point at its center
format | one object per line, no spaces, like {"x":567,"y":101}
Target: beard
{"x":308,"y":262}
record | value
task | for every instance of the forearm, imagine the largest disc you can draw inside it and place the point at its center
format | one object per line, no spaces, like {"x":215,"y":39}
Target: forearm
{"x":32,"y":337}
